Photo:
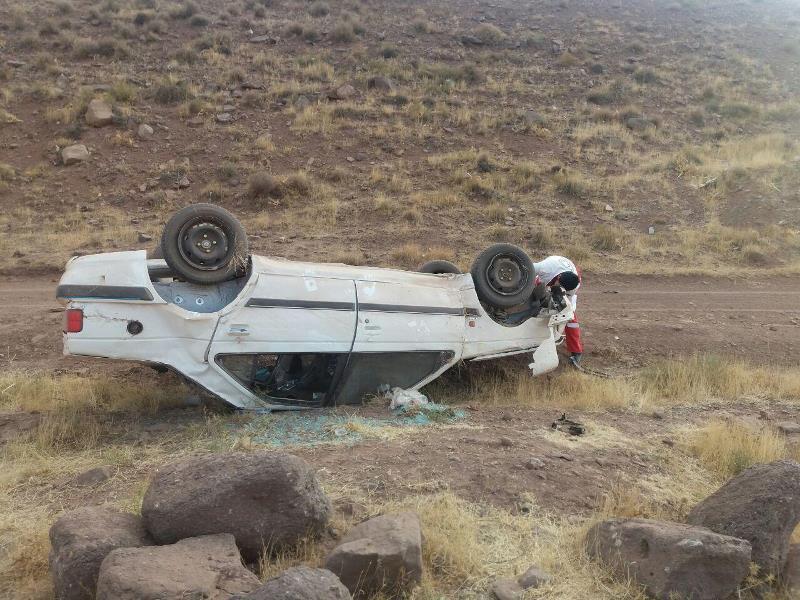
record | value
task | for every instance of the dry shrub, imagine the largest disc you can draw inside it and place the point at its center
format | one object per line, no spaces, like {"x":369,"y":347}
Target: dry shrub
{"x":262,"y":185}
{"x":727,"y":448}
{"x":490,"y":34}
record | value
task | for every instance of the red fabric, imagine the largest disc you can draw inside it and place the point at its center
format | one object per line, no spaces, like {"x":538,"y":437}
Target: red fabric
{"x":573,"y":334}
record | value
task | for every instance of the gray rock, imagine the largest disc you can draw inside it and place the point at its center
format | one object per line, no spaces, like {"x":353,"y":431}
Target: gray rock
{"x":534,"y":463}
{"x":556,"y":46}
{"x":72,"y":155}
{"x":183,"y":183}
{"x":788,"y":427}
{"x":534,"y":577}
{"x":263,"y":39}
{"x":639,"y":123}
{"x":301,"y":583}
{"x":81,"y":539}
{"x":383,"y":554}
{"x":98,"y":113}
{"x":143,"y":237}
{"x":145,"y":132}
{"x":506,"y":589}
{"x":471,"y":40}
{"x":261,"y":498}
{"x":791,"y":572}
{"x":94,"y":476}
{"x":382,"y":84}
{"x":343,"y":92}
{"x":760,"y":505}
{"x":207,"y":567}
{"x":224,"y":117}
{"x":671,"y":559}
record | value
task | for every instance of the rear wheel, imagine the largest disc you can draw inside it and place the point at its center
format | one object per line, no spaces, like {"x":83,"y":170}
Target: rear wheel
{"x":204,"y":243}
{"x":439,"y":267}
{"x":503,"y":275}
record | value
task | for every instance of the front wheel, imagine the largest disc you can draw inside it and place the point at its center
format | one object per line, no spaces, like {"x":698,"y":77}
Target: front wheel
{"x":205,"y":244}
{"x":503,"y":275}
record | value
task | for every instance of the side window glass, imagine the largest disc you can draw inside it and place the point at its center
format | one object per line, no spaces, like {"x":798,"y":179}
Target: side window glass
{"x":300,"y":379}
{"x":368,"y":372}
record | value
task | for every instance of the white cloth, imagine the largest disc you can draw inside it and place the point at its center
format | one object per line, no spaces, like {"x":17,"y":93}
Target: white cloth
{"x":552,"y":266}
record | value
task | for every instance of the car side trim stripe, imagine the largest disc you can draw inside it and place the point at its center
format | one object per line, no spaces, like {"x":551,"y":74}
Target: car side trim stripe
{"x":405,"y":308}
{"x":309,"y":304}
{"x":362,"y":307}
{"x":103,"y":292}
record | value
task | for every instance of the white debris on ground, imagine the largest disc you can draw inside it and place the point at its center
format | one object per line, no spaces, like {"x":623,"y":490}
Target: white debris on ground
{"x":401,"y":398}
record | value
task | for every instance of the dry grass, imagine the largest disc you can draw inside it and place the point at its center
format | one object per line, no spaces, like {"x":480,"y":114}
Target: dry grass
{"x":726,"y":448}
{"x":690,"y":380}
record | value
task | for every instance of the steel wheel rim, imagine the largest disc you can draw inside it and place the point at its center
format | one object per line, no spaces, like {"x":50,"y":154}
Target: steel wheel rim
{"x":203,"y":244}
{"x":506,"y":275}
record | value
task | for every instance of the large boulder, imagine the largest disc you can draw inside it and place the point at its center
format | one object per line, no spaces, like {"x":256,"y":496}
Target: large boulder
{"x":760,"y":505}
{"x":301,"y":583}
{"x":791,"y":573}
{"x":383,"y":554}
{"x":98,"y":113}
{"x":671,"y":560}
{"x":81,"y":539}
{"x":265,"y":498}
{"x":207,"y":567}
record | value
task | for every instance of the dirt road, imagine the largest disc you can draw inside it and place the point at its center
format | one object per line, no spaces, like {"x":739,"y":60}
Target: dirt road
{"x":627,"y":321}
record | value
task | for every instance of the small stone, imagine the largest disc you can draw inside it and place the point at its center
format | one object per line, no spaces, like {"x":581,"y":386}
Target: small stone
{"x":263,"y":39}
{"x":788,"y":427}
{"x":143,"y":237}
{"x":609,"y":208}
{"x":534,"y":463}
{"x":657,"y":414}
{"x":184,"y":183}
{"x":651,"y":230}
{"x":506,"y":589}
{"x":98,"y":113}
{"x":145,"y":132}
{"x":195,"y":122}
{"x":564,"y":456}
{"x":15,"y":63}
{"x":72,"y":155}
{"x":382,"y":84}
{"x":94,"y":476}
{"x":506,"y":442}
{"x":143,"y":187}
{"x":343,"y":92}
{"x":471,"y":40}
{"x":534,"y":577}
{"x":556,"y":46}
{"x":224,"y":117}
{"x":350,"y":159}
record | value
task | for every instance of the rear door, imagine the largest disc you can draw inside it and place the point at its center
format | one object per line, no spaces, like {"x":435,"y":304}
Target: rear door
{"x":289,"y":342}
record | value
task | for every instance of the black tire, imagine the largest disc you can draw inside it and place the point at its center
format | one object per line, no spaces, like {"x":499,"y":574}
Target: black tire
{"x":439,"y":267}
{"x":503,"y":275}
{"x":205,"y":244}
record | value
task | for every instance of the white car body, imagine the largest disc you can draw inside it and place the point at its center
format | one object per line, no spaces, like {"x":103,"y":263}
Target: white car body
{"x":355,"y":329}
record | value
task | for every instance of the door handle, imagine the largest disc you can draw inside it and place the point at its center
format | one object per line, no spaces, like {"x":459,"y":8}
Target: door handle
{"x":238,"y":330}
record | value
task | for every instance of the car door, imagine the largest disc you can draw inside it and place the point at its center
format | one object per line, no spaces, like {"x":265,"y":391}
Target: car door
{"x":289,"y":341}
{"x":408,"y":331}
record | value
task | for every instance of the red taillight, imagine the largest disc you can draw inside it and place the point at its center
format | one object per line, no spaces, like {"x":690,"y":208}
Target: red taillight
{"x":73,"y":320}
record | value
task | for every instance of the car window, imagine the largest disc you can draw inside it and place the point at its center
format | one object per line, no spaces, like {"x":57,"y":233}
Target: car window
{"x":369,"y":372}
{"x":297,"y":379}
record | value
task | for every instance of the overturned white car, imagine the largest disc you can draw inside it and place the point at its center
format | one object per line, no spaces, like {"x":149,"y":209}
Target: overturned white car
{"x":270,"y":333}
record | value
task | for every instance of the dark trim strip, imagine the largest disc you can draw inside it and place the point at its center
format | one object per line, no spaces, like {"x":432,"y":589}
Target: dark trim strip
{"x":103,"y":292}
{"x":405,"y":308}
{"x":310,"y":304}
